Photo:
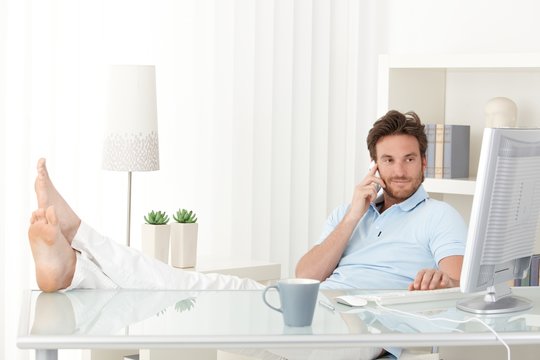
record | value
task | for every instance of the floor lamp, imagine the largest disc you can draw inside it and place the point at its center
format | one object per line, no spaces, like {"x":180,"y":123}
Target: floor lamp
{"x":131,"y":138}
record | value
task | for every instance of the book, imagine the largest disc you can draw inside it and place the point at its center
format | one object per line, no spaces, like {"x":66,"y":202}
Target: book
{"x":430,"y":151}
{"x":439,"y":150}
{"x":534,"y":270}
{"x":526,"y":281}
{"x":456,"y":143}
{"x":533,"y":275}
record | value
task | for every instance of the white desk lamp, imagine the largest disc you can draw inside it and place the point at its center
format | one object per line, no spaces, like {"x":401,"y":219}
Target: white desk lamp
{"x":131,"y":138}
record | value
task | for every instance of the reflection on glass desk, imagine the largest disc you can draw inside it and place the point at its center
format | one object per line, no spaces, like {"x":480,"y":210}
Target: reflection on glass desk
{"x":234,"y":319}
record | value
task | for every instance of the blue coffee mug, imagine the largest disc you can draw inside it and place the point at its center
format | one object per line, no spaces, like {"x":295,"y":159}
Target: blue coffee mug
{"x":298,"y":298}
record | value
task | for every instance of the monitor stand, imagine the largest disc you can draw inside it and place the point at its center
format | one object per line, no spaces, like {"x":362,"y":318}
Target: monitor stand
{"x":498,"y":300}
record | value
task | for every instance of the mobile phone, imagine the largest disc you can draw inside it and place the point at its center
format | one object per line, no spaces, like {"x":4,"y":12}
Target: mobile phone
{"x":371,"y":165}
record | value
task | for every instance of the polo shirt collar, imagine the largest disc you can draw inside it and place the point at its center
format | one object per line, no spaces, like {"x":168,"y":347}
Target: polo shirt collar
{"x":415,"y":199}
{"x":407,"y":205}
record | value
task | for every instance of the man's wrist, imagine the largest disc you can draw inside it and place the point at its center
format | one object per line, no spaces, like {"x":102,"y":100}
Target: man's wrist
{"x":351,"y":219}
{"x":454,"y":282}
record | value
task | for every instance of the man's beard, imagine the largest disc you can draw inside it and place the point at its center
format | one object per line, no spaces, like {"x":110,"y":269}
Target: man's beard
{"x":397,"y":197}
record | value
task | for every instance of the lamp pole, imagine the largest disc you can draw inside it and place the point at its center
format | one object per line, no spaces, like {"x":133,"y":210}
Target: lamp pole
{"x":128,"y":230}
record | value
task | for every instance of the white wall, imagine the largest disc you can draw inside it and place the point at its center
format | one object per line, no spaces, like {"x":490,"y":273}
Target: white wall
{"x":423,"y":26}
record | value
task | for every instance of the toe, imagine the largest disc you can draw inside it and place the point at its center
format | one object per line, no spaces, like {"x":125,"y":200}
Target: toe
{"x":51,"y":216}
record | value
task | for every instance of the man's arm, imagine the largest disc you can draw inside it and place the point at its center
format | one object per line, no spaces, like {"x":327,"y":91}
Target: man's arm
{"x":319,"y":262}
{"x":446,"y":276}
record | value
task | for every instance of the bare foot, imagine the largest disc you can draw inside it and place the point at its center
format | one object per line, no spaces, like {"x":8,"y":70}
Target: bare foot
{"x":47,"y":195}
{"x":54,"y":258}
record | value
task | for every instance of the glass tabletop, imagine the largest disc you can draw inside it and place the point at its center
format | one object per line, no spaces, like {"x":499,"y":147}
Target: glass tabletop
{"x":120,"y":318}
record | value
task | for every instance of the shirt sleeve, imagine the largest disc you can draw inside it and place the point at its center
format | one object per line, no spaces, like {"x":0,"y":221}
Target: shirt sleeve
{"x":448,"y":233}
{"x":332,"y":221}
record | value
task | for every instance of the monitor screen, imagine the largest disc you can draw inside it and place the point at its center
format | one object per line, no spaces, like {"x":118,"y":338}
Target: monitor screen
{"x":504,"y":220}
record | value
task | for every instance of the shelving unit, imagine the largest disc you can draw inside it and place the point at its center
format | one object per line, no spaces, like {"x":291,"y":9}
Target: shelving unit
{"x":453,"y":89}
{"x":450,"y":186}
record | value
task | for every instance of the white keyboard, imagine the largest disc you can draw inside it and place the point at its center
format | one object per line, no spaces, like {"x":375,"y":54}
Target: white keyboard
{"x":402,"y":297}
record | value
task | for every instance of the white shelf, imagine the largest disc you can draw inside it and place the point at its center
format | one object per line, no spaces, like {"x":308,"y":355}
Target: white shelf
{"x":257,"y":270}
{"x":450,"y":186}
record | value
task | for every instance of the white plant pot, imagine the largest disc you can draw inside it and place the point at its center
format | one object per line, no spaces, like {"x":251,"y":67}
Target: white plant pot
{"x":184,"y":244}
{"x":155,"y":241}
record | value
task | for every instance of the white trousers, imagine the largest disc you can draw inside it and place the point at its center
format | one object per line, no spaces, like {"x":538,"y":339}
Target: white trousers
{"x":105,"y":264}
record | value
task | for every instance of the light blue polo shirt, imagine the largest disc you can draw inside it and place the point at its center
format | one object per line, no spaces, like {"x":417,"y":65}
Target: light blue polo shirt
{"x":387,"y":250}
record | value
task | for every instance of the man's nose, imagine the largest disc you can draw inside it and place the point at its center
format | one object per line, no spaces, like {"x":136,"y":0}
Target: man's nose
{"x":399,"y":169}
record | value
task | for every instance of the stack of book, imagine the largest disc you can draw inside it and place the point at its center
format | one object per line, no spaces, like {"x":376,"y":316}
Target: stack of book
{"x":533,"y":275}
{"x":448,"y":151}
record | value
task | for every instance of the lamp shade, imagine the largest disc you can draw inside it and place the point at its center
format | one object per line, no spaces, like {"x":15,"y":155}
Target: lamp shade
{"x":131,"y":137}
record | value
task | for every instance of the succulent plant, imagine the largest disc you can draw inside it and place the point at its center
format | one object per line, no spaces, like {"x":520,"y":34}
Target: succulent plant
{"x":185,"y":305}
{"x":184,"y":216}
{"x":181,"y":306}
{"x":157,"y":218}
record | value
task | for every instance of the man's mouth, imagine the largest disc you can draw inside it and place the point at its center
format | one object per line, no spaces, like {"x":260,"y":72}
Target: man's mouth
{"x":400,"y":181}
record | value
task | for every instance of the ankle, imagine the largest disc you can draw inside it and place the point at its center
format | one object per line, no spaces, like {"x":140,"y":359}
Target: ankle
{"x":71,"y":231}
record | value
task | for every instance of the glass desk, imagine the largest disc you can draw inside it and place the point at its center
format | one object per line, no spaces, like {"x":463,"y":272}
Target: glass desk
{"x":119,"y":319}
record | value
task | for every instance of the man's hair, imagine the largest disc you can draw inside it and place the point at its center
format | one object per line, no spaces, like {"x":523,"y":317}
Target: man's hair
{"x":396,"y":123}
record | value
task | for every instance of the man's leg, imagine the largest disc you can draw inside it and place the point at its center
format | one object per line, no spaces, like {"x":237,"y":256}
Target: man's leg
{"x":131,"y":269}
{"x":58,"y":265}
{"x":125,"y":267}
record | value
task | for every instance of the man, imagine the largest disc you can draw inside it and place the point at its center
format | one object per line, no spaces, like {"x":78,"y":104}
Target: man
{"x":400,"y":239}
{"x":382,"y":242}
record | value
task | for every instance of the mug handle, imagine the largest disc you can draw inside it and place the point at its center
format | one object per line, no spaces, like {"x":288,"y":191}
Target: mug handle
{"x":264,"y":297}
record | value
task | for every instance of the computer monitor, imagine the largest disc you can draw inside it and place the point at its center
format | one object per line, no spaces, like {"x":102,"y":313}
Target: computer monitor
{"x":504,"y":220}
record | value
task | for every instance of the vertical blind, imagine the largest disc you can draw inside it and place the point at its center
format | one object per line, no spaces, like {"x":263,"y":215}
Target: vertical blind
{"x":258,"y":115}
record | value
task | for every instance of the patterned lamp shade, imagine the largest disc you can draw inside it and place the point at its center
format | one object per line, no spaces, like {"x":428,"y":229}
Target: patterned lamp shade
{"x":131,"y":138}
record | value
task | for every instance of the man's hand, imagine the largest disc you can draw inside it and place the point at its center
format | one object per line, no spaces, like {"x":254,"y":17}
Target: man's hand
{"x":365,"y":193}
{"x":430,"y":279}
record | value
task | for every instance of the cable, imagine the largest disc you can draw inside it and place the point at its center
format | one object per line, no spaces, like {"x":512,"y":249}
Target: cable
{"x":497,"y":336}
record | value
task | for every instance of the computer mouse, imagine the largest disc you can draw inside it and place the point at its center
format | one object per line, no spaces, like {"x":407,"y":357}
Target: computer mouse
{"x":351,"y":300}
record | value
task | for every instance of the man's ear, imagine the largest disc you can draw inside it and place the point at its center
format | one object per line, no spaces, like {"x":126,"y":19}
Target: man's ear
{"x":424,"y":163}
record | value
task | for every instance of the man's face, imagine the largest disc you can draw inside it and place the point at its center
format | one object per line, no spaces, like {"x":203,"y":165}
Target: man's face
{"x":400,"y":166}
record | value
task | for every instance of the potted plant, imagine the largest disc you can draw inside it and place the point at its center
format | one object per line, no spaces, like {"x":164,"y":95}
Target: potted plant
{"x":184,"y":239}
{"x":156,"y":235}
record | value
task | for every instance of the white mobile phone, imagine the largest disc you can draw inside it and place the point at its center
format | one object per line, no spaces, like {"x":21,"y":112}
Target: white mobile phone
{"x":371,"y":165}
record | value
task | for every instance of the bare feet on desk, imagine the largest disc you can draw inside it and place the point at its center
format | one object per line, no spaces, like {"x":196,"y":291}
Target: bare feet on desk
{"x":54,"y":258}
